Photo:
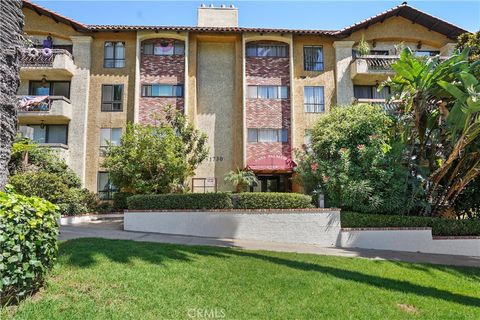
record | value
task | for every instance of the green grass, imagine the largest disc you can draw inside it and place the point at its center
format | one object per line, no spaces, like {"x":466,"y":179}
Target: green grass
{"x":113,"y":279}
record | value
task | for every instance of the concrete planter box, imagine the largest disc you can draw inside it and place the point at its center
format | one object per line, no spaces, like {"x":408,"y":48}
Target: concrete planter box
{"x":410,"y":240}
{"x":319,"y":227}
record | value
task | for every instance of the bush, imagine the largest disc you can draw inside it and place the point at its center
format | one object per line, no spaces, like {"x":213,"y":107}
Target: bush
{"x":180,"y":201}
{"x":440,"y":227}
{"x":120,"y":200}
{"x":28,"y":244}
{"x":273,"y":200}
{"x":50,"y":186}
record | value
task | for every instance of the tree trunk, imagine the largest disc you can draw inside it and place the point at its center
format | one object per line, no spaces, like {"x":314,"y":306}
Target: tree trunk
{"x":11,"y":24}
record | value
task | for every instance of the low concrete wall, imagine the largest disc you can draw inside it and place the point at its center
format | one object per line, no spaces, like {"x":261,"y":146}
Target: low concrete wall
{"x":320,"y":227}
{"x":72,"y":220}
{"x":412,"y":240}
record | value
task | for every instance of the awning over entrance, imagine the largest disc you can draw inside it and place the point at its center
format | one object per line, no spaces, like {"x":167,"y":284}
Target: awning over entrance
{"x":272,"y":162}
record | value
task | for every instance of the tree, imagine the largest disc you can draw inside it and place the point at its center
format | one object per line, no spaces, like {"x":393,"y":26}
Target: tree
{"x":10,"y":32}
{"x":353,"y":161}
{"x":470,"y":41}
{"x":241,"y":179}
{"x":157,"y":159}
{"x":439,"y":123}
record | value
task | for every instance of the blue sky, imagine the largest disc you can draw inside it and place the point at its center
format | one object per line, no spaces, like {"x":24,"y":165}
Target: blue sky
{"x":268,"y":14}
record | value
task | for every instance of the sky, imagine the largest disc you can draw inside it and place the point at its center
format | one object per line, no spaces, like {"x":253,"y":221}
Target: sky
{"x":326,"y":15}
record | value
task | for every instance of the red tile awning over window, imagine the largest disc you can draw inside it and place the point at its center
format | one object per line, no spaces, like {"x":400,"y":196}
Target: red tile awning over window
{"x":271,"y":162}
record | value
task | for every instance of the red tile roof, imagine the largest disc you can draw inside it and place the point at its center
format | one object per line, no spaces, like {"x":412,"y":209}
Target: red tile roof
{"x":403,"y":10}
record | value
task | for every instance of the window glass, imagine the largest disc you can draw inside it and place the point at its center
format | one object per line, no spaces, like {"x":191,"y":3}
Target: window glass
{"x":252,"y":92}
{"x":284,"y":135}
{"x":114,"y":56}
{"x":57,"y":134}
{"x":105,"y":187}
{"x":313,"y":99}
{"x":104,"y":137}
{"x":164,"y":49}
{"x":148,"y":48}
{"x":61,"y":89}
{"x":39,"y":134}
{"x":313,"y":58}
{"x":112,"y":97}
{"x":112,"y":135}
{"x":252,"y":135}
{"x":109,"y":50}
{"x":179,"y":48}
{"x":267,"y":50}
{"x":164,"y":91}
{"x":283,"y":92}
{"x":267,"y":92}
{"x":267,"y":135}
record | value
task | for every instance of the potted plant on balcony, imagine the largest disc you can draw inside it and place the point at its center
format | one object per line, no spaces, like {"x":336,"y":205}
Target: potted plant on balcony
{"x":363,"y":48}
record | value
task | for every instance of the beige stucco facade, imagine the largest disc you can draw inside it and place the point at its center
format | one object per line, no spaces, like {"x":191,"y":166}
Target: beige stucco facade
{"x":215,"y":85}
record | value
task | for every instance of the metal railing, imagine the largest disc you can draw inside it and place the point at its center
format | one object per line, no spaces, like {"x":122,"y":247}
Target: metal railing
{"x":43,"y":105}
{"x":43,"y":58}
{"x":391,"y":106}
{"x":378,"y":63}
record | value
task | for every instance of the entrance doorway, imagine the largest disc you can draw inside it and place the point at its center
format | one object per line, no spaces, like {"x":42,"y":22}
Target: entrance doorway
{"x":273,"y":183}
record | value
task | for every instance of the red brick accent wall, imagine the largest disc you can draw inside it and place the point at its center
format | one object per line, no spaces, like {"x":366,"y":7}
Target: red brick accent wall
{"x":268,"y":113}
{"x":160,"y":70}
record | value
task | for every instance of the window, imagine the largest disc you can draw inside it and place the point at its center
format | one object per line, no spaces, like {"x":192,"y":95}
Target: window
{"x":112,"y":96}
{"x":379,"y":53}
{"x":426,"y":53}
{"x":313,"y":58}
{"x":50,"y":133}
{"x":267,"y":135}
{"x":50,"y":88}
{"x":370,"y":92}
{"x":105,"y":188}
{"x":109,"y":136}
{"x":267,"y":50}
{"x":164,"y":48}
{"x":114,"y":55}
{"x":268,"y":92}
{"x":162,"y":90}
{"x":313,"y":99}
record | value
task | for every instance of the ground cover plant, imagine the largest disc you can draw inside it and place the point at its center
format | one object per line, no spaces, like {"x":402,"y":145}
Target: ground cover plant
{"x":113,"y":279}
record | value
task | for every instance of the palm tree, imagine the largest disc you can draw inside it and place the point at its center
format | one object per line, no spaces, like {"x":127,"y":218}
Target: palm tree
{"x":439,"y":119}
{"x":241,"y":179}
{"x":11,"y":34}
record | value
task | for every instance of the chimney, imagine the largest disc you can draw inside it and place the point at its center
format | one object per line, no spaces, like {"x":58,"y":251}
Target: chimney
{"x":211,"y":16}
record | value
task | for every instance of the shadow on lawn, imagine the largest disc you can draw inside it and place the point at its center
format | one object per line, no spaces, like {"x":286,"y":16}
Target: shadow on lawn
{"x":82,"y":252}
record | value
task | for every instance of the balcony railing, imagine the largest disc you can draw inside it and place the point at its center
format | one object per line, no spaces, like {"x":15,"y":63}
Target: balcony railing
{"x":42,"y":58}
{"x":45,"y":106}
{"x":390,"y":107}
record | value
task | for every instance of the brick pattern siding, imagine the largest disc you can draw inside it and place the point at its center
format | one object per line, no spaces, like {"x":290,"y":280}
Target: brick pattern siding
{"x":268,"y":113}
{"x":160,"y":70}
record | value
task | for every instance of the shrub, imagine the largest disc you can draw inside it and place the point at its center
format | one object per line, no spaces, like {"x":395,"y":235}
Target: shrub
{"x":180,"y":201}
{"x":28,"y":244}
{"x":273,"y":200}
{"x":354,"y":162}
{"x":440,"y":227}
{"x":120,"y":200}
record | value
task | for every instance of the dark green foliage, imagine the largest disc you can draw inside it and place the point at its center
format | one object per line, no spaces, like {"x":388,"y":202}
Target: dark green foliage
{"x":39,"y":171}
{"x":28,"y":244}
{"x":468,"y":203}
{"x":440,"y":226}
{"x":354,"y":162}
{"x":180,"y":201}
{"x":120,"y":200}
{"x":272,"y":200}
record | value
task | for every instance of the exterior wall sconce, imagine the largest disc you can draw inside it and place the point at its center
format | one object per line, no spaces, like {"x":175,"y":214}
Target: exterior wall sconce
{"x":419,"y":45}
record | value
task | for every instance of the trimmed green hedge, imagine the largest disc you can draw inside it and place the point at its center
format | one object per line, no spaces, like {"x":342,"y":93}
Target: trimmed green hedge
{"x":272,"y":200}
{"x":180,"y":201}
{"x":440,"y":227}
{"x":28,"y":244}
{"x":120,"y":200}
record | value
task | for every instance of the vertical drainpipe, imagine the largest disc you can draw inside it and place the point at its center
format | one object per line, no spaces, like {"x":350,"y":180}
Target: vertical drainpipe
{"x":244,"y":104}
{"x":186,"y":79}
{"x":136,"y":106}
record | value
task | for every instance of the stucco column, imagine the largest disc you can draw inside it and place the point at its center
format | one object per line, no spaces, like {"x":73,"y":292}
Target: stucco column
{"x":448,"y":49}
{"x":343,"y":59}
{"x":79,"y":94}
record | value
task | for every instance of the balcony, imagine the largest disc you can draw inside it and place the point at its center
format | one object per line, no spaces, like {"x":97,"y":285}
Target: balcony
{"x":372,"y":67}
{"x":390,"y":107}
{"x":55,"y":108}
{"x":37,"y":63}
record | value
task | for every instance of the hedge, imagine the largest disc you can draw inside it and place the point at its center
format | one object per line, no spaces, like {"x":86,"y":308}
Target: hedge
{"x":120,"y":200}
{"x":440,"y":226}
{"x":28,"y":244}
{"x":272,"y":200}
{"x":190,"y":201}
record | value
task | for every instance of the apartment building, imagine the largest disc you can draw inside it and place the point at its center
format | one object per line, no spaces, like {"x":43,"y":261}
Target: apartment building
{"x":256,"y":92}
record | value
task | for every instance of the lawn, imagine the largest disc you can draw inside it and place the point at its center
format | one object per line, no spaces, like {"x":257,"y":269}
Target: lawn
{"x":113,"y":279}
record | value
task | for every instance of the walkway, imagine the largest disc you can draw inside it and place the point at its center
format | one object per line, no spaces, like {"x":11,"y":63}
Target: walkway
{"x":113,"y":229}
